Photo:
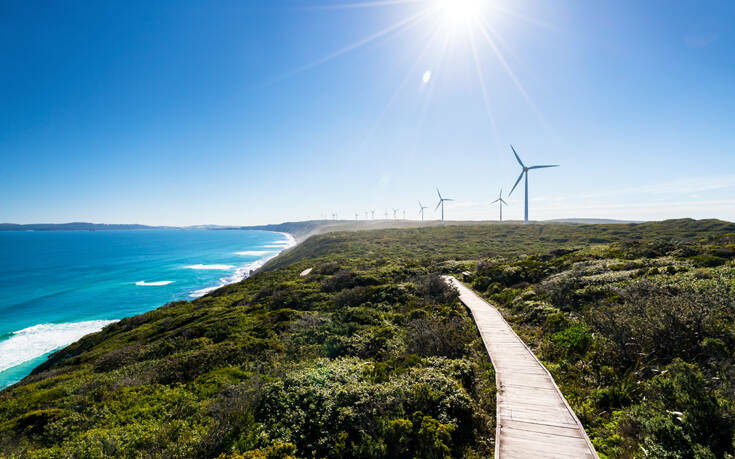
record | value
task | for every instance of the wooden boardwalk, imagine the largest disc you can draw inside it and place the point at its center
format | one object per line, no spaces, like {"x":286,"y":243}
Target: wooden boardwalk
{"x":533,"y":418}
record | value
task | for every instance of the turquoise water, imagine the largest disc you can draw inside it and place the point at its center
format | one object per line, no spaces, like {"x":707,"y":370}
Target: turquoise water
{"x":57,"y":286}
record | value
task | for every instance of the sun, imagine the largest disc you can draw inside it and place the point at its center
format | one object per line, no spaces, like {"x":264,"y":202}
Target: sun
{"x":458,"y":12}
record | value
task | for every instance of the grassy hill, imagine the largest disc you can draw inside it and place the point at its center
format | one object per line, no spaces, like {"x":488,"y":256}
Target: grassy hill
{"x":371,"y":355}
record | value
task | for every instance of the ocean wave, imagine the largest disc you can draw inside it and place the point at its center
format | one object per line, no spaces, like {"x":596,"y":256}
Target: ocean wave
{"x":284,"y":244}
{"x":252,"y":253}
{"x":35,"y":341}
{"x":244,"y":271}
{"x":154,"y":284}
{"x":212,"y":267}
{"x":239,"y":274}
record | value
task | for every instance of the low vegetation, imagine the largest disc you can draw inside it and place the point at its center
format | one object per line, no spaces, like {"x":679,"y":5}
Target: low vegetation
{"x":371,"y":355}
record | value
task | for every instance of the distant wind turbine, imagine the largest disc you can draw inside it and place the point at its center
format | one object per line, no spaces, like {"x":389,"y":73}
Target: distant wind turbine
{"x":421,"y":210}
{"x":404,"y":214}
{"x":524,"y":172}
{"x":501,"y":201}
{"x":386,"y":215}
{"x":373,"y":213}
{"x":366,"y":214}
{"x":356,"y":216}
{"x":441,"y":203}
{"x":395,"y":213}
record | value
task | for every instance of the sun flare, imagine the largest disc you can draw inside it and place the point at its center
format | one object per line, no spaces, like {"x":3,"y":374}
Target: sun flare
{"x":457,"y":12}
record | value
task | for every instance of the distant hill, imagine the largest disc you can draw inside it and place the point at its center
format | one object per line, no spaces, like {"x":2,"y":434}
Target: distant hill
{"x":591,"y":221}
{"x":76,"y":226}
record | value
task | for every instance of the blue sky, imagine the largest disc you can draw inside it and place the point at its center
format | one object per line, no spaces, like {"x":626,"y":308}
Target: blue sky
{"x":255,"y":112}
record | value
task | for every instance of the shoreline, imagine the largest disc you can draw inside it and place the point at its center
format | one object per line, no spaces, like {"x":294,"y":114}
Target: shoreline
{"x":241,"y":273}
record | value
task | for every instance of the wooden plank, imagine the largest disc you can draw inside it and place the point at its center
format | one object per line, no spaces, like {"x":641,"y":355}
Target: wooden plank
{"x":533,"y":417}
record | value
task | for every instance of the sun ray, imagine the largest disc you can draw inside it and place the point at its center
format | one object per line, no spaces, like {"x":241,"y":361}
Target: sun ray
{"x":357,"y":5}
{"x":500,"y":40}
{"x":394,"y":28}
{"x":513,"y":76}
{"x":481,"y":78}
{"x":519,"y":16}
{"x":405,"y":79}
{"x":439,"y":66}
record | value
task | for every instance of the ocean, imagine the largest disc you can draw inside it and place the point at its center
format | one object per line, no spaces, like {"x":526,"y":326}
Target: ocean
{"x":58,"y":286}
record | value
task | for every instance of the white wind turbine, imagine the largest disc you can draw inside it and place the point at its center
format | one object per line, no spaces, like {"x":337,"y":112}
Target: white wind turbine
{"x":441,"y":203}
{"x":421,"y":210}
{"x":372,"y":212}
{"x":501,"y":201}
{"x":524,"y":172}
{"x":395,"y":213}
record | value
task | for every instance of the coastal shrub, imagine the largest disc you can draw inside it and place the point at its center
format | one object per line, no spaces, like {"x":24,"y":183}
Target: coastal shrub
{"x":707,"y":260}
{"x":433,"y":289}
{"x":342,"y":371}
{"x":680,"y":418}
{"x":574,"y":340}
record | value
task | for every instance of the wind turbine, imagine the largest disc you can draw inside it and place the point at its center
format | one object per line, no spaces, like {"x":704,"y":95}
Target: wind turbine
{"x":421,"y":210}
{"x":373,"y":213}
{"x":501,"y":201}
{"x":441,"y":203}
{"x":356,"y":216}
{"x":404,"y":214}
{"x":395,"y":212}
{"x":386,"y":215}
{"x":524,"y":172}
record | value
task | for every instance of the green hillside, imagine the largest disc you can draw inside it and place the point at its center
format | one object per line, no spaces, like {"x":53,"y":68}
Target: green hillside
{"x":371,"y":355}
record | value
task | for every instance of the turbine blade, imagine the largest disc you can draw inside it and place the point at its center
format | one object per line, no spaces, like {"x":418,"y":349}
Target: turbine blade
{"x":437,"y":192}
{"x":447,"y":199}
{"x":542,"y":167}
{"x":496,"y":201}
{"x":437,"y":205}
{"x":517,"y":182}
{"x":504,"y":202}
{"x":517,"y":157}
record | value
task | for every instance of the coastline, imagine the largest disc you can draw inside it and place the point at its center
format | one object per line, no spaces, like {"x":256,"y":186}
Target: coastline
{"x":57,"y":336}
{"x":249,"y":269}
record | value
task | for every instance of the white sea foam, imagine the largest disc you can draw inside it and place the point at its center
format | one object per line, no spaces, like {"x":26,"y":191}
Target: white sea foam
{"x":252,"y":253}
{"x":35,"y":341}
{"x":244,"y":271}
{"x":212,"y":267}
{"x":290,"y":241}
{"x":154,"y":284}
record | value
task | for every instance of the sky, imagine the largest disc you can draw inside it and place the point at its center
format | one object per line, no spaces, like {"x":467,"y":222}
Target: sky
{"x":251,"y":112}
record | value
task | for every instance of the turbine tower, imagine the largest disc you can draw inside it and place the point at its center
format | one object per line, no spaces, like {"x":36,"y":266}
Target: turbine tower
{"x":395,"y":213}
{"x":356,"y":216}
{"x":524,"y":172}
{"x":373,"y":213}
{"x":421,"y":210}
{"x":404,"y":214}
{"x":501,"y":201}
{"x":441,"y":203}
